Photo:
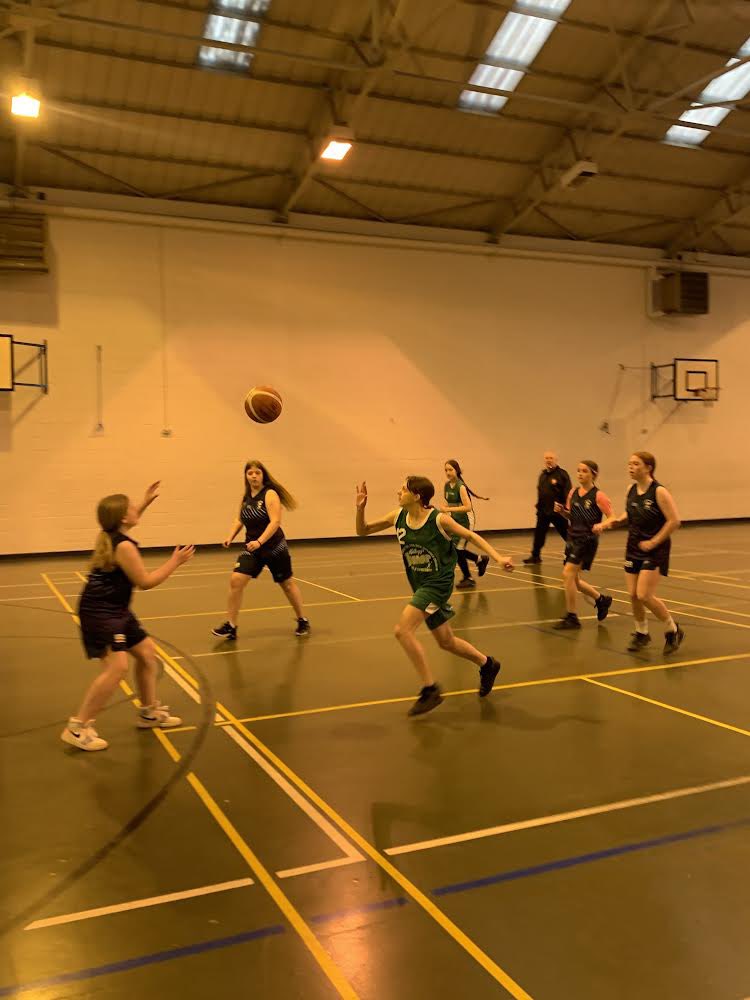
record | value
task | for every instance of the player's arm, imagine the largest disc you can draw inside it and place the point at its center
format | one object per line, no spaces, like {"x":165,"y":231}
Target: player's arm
{"x":610,"y":522}
{"x":273,"y":509}
{"x":669,"y":510}
{"x":565,"y":511}
{"x":236,"y":527}
{"x":453,"y":528}
{"x":604,"y":503}
{"x":128,"y":558}
{"x":362,"y":526}
{"x":152,"y":492}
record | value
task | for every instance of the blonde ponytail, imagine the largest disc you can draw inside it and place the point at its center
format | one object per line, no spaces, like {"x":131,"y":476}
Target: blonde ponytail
{"x":110,"y":514}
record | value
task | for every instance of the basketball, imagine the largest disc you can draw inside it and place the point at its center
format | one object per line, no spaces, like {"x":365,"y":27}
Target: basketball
{"x":263,"y":404}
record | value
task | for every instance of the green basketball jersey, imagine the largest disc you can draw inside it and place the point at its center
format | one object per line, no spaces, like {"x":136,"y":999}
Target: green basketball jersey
{"x":453,"y":498}
{"x":429,"y":556}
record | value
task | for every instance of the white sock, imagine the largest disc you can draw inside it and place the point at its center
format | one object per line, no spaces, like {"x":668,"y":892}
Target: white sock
{"x":641,"y":627}
{"x":670,"y":625}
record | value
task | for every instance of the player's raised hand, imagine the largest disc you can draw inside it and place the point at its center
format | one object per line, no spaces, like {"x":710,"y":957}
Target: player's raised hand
{"x":362,"y":496}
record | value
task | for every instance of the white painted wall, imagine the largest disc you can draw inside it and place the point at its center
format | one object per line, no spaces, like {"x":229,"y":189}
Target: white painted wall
{"x":389,"y":361}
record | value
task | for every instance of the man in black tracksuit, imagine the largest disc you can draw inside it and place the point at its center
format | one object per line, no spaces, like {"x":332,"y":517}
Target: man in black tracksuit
{"x":553,"y":487}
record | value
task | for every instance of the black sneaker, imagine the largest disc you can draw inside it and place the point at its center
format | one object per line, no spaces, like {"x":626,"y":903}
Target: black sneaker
{"x":466,"y":584}
{"x":637,"y":641}
{"x":487,"y":675}
{"x":570,"y":621}
{"x":225,"y":631}
{"x":673,"y":640}
{"x":429,"y":698}
{"x":303,"y":627}
{"x":603,"y":603}
{"x":482,"y":564}
{"x":533,"y":560}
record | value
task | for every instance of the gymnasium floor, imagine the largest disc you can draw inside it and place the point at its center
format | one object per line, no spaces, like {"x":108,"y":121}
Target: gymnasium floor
{"x":582,"y":833}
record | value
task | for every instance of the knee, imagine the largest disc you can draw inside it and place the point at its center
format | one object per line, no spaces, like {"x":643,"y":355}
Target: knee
{"x":445,"y":641}
{"x":643,"y":596}
{"x":398,"y":633}
{"x":117,"y":667}
{"x":237,"y":583}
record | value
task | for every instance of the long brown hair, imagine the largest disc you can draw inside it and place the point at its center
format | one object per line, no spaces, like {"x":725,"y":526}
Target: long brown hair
{"x":459,"y":474}
{"x":287,"y":500}
{"x":110,"y":514}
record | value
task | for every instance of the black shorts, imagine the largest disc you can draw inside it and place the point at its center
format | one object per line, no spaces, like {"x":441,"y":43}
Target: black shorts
{"x":581,"y":552}
{"x":650,"y":560}
{"x":100,"y":633}
{"x":279,"y":563}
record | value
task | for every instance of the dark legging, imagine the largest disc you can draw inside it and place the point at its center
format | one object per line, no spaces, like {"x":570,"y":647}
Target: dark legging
{"x":464,"y":558}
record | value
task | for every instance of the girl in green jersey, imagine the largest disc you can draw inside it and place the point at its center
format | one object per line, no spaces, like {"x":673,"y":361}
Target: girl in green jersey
{"x":458,"y":503}
{"x":427,"y":540}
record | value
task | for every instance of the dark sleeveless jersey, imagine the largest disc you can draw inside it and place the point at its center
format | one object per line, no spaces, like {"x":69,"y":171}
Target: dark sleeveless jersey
{"x":255,"y":519}
{"x":452,"y":496}
{"x":645,"y":519}
{"x":107,"y":591}
{"x":584,"y":514}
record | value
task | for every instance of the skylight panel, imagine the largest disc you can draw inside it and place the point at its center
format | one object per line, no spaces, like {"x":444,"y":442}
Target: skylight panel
{"x":221,"y":26}
{"x":730,"y":86}
{"x":517,"y":43}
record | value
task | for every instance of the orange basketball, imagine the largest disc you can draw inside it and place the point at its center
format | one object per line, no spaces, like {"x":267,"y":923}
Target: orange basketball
{"x":263,"y":404}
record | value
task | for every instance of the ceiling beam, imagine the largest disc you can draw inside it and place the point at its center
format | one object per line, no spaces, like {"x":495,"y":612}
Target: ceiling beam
{"x":500,"y":121}
{"x":559,"y":156}
{"x":733,"y":201}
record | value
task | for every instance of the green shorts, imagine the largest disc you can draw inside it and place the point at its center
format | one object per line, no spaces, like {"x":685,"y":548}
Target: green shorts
{"x":435,"y":603}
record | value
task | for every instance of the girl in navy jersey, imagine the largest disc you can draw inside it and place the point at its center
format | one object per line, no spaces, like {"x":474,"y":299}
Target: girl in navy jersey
{"x":265,"y":545}
{"x":585,"y":507}
{"x":458,"y":504}
{"x":651,"y":517}
{"x":109,"y":629}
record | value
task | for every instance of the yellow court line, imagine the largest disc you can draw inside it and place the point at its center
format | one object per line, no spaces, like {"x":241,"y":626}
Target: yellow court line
{"x":671,"y":708}
{"x":498,"y":687}
{"x":491,"y":967}
{"x":320,"y":955}
{"x":329,"y":589}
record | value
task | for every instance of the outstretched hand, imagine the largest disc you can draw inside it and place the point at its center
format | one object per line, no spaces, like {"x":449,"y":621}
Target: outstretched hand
{"x":362,"y":496}
{"x":183,"y":553}
{"x":151,"y":493}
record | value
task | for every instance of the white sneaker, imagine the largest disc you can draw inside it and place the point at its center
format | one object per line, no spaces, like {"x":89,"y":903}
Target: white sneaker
{"x":157,"y":717}
{"x":83,"y":736}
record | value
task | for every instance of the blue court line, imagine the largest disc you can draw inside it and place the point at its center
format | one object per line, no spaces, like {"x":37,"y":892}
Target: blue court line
{"x":140,"y":960}
{"x":584,"y":859}
{"x":446,"y":890}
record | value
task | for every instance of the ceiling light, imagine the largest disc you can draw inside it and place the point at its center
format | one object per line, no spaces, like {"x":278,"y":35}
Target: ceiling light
{"x":337,"y":144}
{"x":24,"y":105}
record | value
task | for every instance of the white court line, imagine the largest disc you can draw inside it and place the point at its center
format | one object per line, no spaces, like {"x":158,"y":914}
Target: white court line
{"x":389,"y":635}
{"x":137,"y":904}
{"x":329,"y":589}
{"x":350,"y":852}
{"x":319,"y":867}
{"x":528,"y":824}
{"x":5,"y":585}
{"x":23,"y":597}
